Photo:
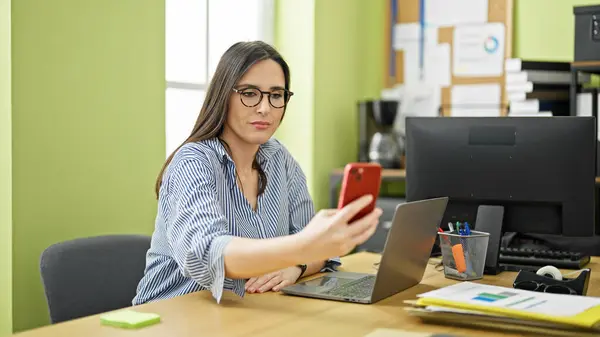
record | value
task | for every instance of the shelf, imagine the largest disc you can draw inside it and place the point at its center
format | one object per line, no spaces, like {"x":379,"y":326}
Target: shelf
{"x":590,"y":66}
{"x":385,"y":173}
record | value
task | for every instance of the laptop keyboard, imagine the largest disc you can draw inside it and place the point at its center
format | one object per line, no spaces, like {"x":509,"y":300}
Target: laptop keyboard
{"x":360,"y":288}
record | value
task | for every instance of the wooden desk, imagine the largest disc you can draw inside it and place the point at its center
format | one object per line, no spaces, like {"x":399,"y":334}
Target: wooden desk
{"x":276,"y":315}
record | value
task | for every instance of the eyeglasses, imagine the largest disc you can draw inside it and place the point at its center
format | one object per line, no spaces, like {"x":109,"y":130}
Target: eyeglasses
{"x":546,"y":288}
{"x":251,"y":97}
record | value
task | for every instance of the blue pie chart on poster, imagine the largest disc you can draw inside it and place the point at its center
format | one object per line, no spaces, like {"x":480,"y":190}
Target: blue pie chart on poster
{"x":491,"y":44}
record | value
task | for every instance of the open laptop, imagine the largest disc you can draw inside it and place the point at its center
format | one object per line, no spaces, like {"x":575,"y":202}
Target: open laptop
{"x":403,"y":262}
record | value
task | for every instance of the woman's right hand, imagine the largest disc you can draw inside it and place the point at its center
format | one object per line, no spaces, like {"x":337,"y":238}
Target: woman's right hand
{"x":329,"y":234}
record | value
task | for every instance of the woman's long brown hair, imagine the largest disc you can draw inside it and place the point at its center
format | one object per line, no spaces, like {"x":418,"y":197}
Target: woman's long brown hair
{"x":233,"y":65}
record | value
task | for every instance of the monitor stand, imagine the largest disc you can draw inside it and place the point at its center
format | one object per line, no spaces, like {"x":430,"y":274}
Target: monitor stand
{"x":490,"y":219}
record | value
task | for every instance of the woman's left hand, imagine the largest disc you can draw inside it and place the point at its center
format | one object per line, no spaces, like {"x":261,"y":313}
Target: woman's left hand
{"x":273,"y":281}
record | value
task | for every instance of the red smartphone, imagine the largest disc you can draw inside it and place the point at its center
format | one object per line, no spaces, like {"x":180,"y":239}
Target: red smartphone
{"x":360,"y":179}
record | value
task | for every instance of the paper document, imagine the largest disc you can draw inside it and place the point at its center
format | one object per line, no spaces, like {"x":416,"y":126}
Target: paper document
{"x":417,"y":100}
{"x":437,"y":65}
{"x":516,"y":96}
{"x":512,"y":65}
{"x":455,"y":12}
{"x":412,"y":72}
{"x":516,"y":77}
{"x":408,"y":33}
{"x":531,"y":114}
{"x":528,"y":105}
{"x":475,"y":100}
{"x":394,"y":93}
{"x":482,"y":320}
{"x":519,"y":87}
{"x":421,"y":100}
{"x":508,"y":298}
{"x":584,"y":107}
{"x":406,"y":39}
{"x":479,"y":50}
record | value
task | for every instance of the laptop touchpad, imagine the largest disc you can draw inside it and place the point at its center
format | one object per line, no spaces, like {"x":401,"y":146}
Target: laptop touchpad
{"x":322,"y":284}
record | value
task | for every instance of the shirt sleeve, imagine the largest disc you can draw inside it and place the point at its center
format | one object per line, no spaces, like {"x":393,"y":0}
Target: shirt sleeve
{"x":197,"y":229}
{"x":302,"y":207}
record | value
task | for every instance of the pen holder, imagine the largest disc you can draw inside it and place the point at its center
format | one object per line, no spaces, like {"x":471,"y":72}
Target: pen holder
{"x":463,"y":256}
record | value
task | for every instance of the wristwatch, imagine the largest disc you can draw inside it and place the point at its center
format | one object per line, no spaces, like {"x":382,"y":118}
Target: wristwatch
{"x":302,"y":269}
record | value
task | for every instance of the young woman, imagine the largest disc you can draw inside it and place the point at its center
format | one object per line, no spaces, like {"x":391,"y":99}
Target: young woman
{"x":234,"y":211}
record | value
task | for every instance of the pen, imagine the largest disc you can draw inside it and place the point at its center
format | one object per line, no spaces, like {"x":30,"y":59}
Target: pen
{"x":451,"y":227}
{"x":445,"y":237}
{"x":450,"y":264}
{"x":466,"y":232}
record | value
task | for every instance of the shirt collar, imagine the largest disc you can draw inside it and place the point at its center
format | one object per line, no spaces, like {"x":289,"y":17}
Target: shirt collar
{"x":265,"y":151}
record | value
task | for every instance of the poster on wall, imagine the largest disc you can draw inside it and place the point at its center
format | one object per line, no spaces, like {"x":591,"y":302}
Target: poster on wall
{"x":478,"y":50}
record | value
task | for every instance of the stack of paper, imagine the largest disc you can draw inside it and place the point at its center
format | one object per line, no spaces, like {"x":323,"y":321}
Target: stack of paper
{"x":584,"y":106}
{"x":536,"y":88}
{"x":485,"y":306}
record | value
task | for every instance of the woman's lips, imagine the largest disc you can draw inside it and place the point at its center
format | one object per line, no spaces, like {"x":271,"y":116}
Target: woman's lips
{"x":261,"y":125}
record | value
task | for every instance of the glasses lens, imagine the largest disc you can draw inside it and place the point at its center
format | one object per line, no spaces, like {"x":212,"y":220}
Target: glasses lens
{"x":559,"y":289}
{"x":278,"y":98}
{"x":250,"y":96}
{"x":526,"y":285}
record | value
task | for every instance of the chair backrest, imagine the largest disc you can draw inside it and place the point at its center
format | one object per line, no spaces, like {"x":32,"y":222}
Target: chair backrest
{"x":88,"y":276}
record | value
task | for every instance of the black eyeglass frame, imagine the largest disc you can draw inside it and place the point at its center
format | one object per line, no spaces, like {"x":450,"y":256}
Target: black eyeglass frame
{"x":262,"y":94}
{"x":542,"y":287}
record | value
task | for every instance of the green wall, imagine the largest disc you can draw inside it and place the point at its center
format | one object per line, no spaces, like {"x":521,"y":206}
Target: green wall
{"x":297,"y":47}
{"x":88,"y":125}
{"x":335,"y":50}
{"x":349,"y":41}
{"x":544,"y":29}
{"x":5,"y":174}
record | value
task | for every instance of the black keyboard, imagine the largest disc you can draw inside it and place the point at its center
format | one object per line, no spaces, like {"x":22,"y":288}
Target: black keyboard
{"x":515,"y":259}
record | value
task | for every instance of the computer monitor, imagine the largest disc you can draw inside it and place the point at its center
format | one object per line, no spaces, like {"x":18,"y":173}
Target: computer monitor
{"x":541,"y":170}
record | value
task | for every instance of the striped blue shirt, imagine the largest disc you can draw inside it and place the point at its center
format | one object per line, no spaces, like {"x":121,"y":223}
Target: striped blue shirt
{"x":200,"y":209}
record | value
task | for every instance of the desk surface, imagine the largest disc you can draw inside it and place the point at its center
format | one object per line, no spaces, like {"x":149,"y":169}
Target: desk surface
{"x":275,"y":314}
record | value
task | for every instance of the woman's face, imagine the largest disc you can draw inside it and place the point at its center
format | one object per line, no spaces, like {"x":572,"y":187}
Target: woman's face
{"x":251,"y":119}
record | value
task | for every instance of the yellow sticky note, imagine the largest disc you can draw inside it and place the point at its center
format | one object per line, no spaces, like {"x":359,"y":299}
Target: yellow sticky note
{"x":129,"y":319}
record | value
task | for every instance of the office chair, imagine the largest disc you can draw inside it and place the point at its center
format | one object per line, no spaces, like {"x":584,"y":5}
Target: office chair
{"x":88,"y":276}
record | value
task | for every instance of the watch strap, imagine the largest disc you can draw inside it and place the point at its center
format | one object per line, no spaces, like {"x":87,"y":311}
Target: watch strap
{"x":302,"y":269}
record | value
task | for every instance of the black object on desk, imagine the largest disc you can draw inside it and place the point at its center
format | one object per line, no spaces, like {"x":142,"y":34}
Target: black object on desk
{"x":501,"y":166}
{"x":489,"y":220}
{"x":515,"y":259}
{"x":527,"y":280}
